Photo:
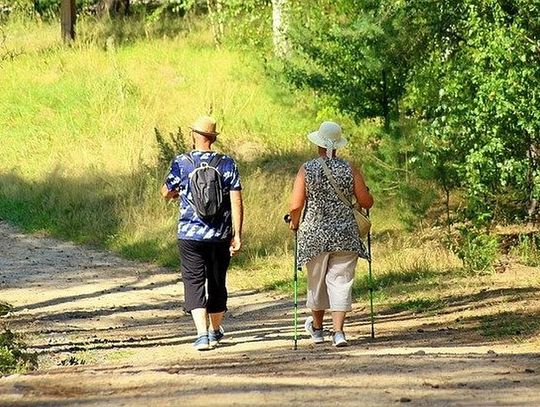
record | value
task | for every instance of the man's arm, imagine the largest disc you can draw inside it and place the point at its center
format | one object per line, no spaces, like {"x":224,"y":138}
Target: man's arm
{"x":165,"y":193}
{"x":237,"y":212}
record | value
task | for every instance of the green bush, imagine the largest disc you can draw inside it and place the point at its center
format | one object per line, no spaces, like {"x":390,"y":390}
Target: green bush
{"x":528,"y":250}
{"x":416,"y":199}
{"x":13,"y":357}
{"x":169,"y":147}
{"x":476,"y":249}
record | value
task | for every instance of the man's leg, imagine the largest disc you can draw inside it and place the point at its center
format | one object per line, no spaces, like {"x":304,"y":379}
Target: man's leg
{"x":217,"y":266}
{"x":194,"y":278}
{"x":215,"y":320}
{"x":200,"y":320}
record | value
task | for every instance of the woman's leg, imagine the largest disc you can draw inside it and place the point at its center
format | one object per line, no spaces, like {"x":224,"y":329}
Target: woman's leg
{"x":317,"y":296}
{"x":318,"y":317}
{"x":317,"y":292}
{"x":339,"y":280}
{"x":338,"y":320}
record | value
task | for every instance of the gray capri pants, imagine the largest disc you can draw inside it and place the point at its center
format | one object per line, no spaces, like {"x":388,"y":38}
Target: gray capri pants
{"x":330,"y":277}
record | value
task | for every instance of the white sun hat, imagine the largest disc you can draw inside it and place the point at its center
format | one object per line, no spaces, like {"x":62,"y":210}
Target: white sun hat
{"x":328,"y":136}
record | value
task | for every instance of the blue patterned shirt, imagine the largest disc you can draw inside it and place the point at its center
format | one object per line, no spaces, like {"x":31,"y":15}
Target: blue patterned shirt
{"x":190,"y":226}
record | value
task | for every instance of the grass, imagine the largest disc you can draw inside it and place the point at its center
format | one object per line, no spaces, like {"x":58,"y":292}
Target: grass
{"x":79,"y":149}
{"x":519,"y":325}
{"x":419,"y":305}
{"x":527,"y":250}
{"x":79,"y":152}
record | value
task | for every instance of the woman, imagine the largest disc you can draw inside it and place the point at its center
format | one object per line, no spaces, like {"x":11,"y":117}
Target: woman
{"x":328,"y":240}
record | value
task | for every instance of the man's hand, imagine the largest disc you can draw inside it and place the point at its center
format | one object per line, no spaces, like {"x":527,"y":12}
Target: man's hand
{"x":236,"y":244}
{"x":165,"y":193}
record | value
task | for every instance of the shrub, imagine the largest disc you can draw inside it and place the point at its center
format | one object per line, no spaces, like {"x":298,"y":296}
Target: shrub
{"x":528,"y":250}
{"x":13,"y":357}
{"x":169,"y":147}
{"x":477,"y":250}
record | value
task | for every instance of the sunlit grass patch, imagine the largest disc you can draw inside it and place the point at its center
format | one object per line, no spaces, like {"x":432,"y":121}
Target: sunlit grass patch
{"x":418,"y":305}
{"x":518,"y":325}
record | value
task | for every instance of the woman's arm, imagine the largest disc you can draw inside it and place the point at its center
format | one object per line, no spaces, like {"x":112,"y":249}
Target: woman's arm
{"x":361,"y":192}
{"x":298,"y":198}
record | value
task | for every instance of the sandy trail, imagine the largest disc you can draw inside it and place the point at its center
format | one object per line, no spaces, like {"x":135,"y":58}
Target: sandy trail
{"x":124,"y":321}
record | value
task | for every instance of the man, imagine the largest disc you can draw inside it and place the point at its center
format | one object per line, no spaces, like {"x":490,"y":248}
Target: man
{"x":206,"y":244}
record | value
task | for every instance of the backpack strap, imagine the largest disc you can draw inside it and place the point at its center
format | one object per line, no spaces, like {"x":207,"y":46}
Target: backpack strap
{"x":214,"y":162}
{"x":190,"y":159}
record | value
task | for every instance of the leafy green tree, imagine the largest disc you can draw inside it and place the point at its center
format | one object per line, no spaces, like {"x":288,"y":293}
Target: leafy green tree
{"x":466,"y":73}
{"x":477,"y":97}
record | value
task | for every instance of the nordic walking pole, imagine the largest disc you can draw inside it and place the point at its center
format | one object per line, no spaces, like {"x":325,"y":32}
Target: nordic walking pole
{"x":287,"y":219}
{"x":370,"y":278}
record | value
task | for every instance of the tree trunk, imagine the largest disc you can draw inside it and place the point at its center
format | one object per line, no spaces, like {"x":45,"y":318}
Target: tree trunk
{"x":215,"y":12}
{"x":534,"y":170}
{"x":385,"y":103}
{"x":280,"y":28}
{"x":113,"y":8}
{"x":67,"y":20}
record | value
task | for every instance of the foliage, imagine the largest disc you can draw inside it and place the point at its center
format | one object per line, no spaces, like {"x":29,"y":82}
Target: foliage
{"x":13,"y":358}
{"x":478,"y":96}
{"x":169,"y":147}
{"x":48,"y":8}
{"x":466,"y":73}
{"x":416,"y":198}
{"x":477,"y":249}
{"x":528,"y":250}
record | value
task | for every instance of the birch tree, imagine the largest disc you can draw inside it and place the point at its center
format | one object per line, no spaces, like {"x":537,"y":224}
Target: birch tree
{"x":280,"y":28}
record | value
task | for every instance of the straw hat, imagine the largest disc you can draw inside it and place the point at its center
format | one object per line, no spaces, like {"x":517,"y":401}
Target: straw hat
{"x":328,"y":136}
{"x":205,"y":125}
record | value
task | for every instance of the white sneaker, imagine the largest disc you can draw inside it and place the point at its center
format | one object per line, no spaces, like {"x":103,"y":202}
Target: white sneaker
{"x":338,"y":339}
{"x":317,"y":335}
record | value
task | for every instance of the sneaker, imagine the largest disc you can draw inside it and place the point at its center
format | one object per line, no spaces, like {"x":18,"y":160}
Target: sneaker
{"x":202,"y":343}
{"x":317,"y":335}
{"x":338,"y":339}
{"x":215,"y":336}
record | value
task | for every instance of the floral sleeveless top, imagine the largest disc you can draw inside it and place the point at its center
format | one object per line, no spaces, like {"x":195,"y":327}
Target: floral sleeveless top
{"x":328,"y":224}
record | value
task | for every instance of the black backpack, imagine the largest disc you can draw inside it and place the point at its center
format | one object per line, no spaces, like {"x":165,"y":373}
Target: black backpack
{"x":206,"y":187}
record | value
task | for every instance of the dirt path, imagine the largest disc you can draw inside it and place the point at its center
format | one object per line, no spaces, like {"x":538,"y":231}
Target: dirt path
{"x":111,"y":332}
